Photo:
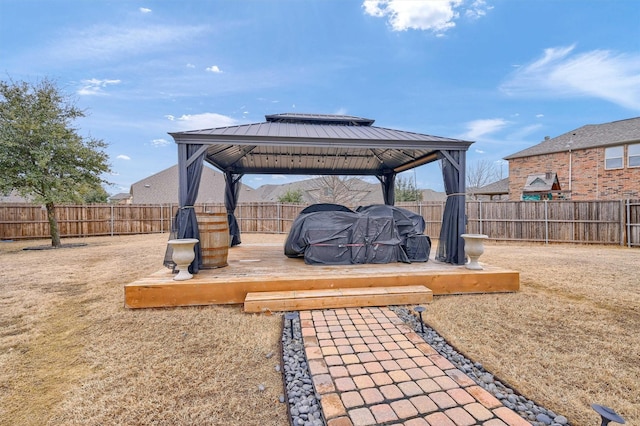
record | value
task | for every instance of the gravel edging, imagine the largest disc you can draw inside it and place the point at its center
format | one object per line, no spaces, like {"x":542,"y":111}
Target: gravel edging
{"x":304,"y":403}
{"x":526,"y":408}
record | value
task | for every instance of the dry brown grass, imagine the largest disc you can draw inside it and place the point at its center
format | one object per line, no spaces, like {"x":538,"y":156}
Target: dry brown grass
{"x":568,"y":339}
{"x":70,"y":353}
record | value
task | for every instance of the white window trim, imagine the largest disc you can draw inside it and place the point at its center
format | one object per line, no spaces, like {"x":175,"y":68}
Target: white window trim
{"x":635,"y":155}
{"x":613,"y":158}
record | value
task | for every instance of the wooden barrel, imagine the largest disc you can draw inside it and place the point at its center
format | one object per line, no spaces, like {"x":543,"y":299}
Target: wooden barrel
{"x":214,"y":239}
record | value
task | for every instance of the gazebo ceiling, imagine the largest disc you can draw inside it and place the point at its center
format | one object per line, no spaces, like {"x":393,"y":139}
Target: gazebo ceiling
{"x":316,"y":144}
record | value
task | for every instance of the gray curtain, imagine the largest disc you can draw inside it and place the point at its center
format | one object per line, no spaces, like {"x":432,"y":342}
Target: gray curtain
{"x":190,"y":163}
{"x":231,"y":194}
{"x":388,"y":182}
{"x":451,"y":245}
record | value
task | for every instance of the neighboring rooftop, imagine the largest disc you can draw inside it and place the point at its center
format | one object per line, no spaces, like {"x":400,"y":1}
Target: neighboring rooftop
{"x":349,"y":191}
{"x":162,"y":188}
{"x":500,"y":187}
{"x":589,"y":136}
{"x":13,"y":197}
{"x":541,"y":182}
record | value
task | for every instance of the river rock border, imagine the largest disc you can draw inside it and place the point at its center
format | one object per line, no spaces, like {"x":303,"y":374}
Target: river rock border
{"x":304,"y":404}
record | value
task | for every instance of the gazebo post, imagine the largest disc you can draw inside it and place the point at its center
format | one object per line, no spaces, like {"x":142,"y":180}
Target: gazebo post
{"x":388,"y":182}
{"x":231,"y":193}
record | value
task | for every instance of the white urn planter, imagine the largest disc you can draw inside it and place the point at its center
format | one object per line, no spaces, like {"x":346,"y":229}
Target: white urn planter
{"x":182,"y":256}
{"x":473,"y":248}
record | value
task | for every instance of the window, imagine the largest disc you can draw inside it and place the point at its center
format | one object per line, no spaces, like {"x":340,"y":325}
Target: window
{"x":613,"y":157}
{"x":634,"y":155}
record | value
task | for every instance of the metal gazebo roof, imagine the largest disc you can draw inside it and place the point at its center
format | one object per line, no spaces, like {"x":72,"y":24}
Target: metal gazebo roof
{"x":317,"y":144}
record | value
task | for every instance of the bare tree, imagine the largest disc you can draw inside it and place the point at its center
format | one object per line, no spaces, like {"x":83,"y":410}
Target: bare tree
{"x":479,"y":174}
{"x":343,"y":190}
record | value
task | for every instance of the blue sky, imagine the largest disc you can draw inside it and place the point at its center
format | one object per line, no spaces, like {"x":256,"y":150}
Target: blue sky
{"x":503,"y":73}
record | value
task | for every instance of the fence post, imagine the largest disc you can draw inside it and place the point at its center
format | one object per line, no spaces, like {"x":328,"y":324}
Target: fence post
{"x":112,"y":220}
{"x":546,"y":222}
{"x":279,"y":226}
{"x":628,"y":223}
{"x":480,"y":216}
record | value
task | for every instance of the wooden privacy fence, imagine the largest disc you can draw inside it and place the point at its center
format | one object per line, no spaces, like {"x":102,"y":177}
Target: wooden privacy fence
{"x":19,"y":221}
{"x":593,"y":222}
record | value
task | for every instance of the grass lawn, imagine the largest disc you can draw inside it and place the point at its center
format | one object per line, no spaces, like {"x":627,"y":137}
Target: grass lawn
{"x":70,"y":353}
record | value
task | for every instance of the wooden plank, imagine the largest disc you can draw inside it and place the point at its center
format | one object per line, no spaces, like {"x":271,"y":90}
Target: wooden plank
{"x":336,"y":298}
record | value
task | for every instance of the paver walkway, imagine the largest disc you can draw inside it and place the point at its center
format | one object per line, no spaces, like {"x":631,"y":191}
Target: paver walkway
{"x":371,"y":369}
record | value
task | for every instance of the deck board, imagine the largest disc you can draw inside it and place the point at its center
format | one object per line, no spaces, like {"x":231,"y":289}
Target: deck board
{"x":298,"y":300}
{"x":263,"y":267}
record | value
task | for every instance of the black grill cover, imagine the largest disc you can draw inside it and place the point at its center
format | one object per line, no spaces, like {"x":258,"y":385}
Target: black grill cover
{"x":375,"y":234}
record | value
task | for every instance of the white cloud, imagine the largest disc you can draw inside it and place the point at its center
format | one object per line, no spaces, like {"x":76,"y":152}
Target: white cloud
{"x":561,"y":72}
{"x":524,"y":132}
{"x":157,"y":143}
{"x":214,"y":69}
{"x":278,"y":177}
{"x":539,"y":115}
{"x":190,"y":65}
{"x":123,"y":157}
{"x":479,"y":151}
{"x":95,"y":86}
{"x":430,"y":15}
{"x":109,"y":42}
{"x":477,"y":9}
{"x":144,"y":10}
{"x":478,"y":128}
{"x":207,"y":120}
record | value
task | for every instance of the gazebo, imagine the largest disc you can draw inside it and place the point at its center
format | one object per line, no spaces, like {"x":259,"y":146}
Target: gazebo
{"x":319,"y":144}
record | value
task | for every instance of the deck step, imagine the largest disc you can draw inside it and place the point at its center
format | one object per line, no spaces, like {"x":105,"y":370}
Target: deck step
{"x":336,"y":298}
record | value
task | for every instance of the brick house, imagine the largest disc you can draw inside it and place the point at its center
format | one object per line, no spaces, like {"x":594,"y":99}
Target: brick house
{"x":593,"y":162}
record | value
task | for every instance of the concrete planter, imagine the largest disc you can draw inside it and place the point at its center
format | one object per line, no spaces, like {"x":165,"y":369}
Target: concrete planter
{"x":182,"y":256}
{"x":473,"y":248}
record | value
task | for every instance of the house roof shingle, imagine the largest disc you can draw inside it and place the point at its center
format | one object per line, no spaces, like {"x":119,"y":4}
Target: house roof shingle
{"x":162,"y":188}
{"x":499,"y":187}
{"x":589,"y":136}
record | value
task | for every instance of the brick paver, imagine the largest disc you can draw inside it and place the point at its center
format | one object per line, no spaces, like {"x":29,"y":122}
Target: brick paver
{"x":478,"y":411}
{"x":439,"y":419}
{"x":351,"y":399}
{"x":383,"y":413}
{"x":460,"y":417}
{"x":370,"y":368}
{"x":362,"y":417}
{"x":340,"y":421}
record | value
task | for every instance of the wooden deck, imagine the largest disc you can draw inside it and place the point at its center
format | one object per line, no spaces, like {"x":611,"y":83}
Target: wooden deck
{"x":263,"y":267}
